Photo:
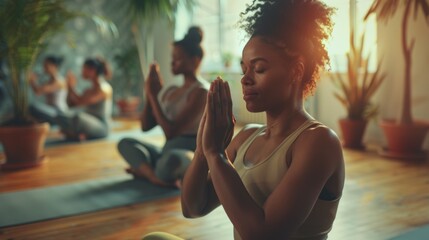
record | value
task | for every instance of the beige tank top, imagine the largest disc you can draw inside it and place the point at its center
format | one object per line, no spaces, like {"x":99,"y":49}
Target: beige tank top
{"x":261,"y":179}
{"x":172,"y":107}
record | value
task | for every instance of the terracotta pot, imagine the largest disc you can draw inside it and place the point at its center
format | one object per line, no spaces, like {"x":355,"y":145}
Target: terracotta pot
{"x":128,"y":106}
{"x":404,"y":140}
{"x":352,"y":132}
{"x":23,"y":146}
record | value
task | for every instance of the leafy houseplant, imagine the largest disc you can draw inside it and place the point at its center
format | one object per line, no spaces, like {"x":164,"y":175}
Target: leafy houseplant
{"x":357,"y":89}
{"x":24,"y":26}
{"x":404,"y":135}
{"x":227,"y":59}
{"x":129,"y":85}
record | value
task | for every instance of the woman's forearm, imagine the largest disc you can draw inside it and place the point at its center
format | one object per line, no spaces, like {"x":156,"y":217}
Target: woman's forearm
{"x":147,"y":120}
{"x":35,"y":88}
{"x":246,"y":215}
{"x":72,"y":97}
{"x":47,"y":88}
{"x":195,"y":188}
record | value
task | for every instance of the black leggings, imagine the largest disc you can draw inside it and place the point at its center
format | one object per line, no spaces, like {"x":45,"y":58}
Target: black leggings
{"x":169,"y":163}
{"x":72,"y":122}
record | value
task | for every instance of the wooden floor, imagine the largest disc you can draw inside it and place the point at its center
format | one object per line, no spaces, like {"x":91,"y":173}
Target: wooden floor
{"x":382,"y":198}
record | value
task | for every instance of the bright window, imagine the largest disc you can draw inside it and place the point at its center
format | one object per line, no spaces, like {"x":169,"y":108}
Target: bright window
{"x":222,"y":36}
{"x":350,"y":15}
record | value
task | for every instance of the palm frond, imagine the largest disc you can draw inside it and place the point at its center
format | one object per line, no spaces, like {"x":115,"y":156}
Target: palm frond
{"x":385,"y":9}
{"x":365,"y":75}
{"x":341,"y":99}
{"x":152,"y":10}
{"x":358,"y":87}
{"x":424,"y":6}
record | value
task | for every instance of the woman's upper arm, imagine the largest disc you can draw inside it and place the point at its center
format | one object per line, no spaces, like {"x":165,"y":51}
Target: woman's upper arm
{"x":240,"y":137}
{"x":49,"y":88}
{"x":315,"y":157}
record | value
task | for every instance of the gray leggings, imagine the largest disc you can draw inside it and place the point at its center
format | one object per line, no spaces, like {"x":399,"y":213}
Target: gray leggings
{"x":169,"y":163}
{"x":73,"y":122}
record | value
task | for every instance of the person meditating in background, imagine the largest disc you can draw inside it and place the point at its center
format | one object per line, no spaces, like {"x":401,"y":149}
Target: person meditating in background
{"x":55,"y":90}
{"x":282,"y":180}
{"x":92,"y":119}
{"x":177,"y":109}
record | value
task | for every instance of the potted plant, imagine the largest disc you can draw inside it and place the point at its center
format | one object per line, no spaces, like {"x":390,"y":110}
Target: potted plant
{"x":24,"y":25}
{"x":128,"y":85}
{"x":356,"y":90}
{"x":404,"y":135}
{"x":227,"y":58}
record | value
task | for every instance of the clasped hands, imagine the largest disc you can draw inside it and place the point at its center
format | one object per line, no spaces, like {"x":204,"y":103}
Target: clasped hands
{"x":71,"y":80}
{"x":217,"y":124}
{"x":153,"y":82}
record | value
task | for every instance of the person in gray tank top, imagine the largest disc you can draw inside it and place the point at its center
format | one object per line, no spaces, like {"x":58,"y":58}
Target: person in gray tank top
{"x":177,"y":110}
{"x":90,"y":112}
{"x":54,"y":90}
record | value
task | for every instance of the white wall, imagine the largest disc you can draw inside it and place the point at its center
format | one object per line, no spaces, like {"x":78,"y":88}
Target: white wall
{"x":389,"y":47}
{"x":389,"y":96}
{"x":164,"y":37}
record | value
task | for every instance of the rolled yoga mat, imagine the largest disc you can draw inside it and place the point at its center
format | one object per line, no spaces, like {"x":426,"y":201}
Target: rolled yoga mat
{"x":41,"y":204}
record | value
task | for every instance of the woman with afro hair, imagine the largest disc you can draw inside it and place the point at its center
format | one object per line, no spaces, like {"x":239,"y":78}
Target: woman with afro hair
{"x":282,"y":180}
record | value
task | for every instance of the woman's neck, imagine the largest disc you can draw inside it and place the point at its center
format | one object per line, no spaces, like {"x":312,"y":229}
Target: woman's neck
{"x":96,"y":82}
{"x":53,"y":75}
{"x":189,"y":79}
{"x":281,"y":123}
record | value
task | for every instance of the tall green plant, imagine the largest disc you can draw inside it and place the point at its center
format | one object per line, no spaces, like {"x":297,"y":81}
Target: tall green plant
{"x":24,"y":27}
{"x":385,"y":10}
{"x":357,"y":88}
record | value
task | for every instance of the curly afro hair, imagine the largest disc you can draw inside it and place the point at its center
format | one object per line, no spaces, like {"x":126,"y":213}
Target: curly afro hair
{"x":300,"y":26}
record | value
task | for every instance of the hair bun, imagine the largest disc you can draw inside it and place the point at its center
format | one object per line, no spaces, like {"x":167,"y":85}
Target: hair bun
{"x":56,"y":60}
{"x":194,"y":35}
{"x":59,"y":60}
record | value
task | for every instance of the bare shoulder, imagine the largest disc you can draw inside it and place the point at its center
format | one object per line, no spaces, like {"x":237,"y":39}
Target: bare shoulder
{"x":320,"y":133}
{"x":198,"y":93}
{"x":319,"y":142}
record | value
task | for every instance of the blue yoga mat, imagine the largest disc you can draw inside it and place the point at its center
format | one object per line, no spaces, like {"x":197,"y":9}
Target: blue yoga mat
{"x":66,"y":200}
{"x":421,"y":233}
{"x":114,"y":136}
